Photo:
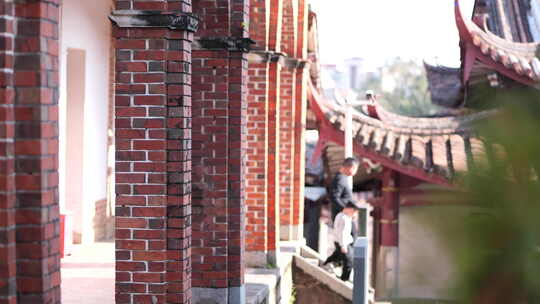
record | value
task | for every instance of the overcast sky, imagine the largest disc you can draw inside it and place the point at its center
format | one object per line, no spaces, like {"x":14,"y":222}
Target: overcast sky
{"x":381,"y":29}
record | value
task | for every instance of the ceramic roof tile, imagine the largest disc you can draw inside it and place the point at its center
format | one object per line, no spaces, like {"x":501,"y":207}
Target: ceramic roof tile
{"x":437,"y":146}
{"x":439,"y":153}
{"x":458,"y":152}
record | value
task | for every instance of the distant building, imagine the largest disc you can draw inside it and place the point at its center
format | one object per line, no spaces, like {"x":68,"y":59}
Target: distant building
{"x":349,"y":74}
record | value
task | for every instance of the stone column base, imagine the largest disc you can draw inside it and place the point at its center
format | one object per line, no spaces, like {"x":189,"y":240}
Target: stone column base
{"x":260,"y":259}
{"x":291,"y":232}
{"x":231,"y":295}
{"x":386,"y":285}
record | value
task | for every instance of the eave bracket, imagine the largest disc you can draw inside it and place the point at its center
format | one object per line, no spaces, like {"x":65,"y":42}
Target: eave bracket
{"x":141,"y":18}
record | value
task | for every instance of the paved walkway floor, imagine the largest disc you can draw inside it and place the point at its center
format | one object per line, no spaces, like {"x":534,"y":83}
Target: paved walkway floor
{"x":88,"y":274}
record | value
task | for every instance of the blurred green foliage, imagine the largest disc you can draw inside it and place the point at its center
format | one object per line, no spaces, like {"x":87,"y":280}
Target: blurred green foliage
{"x":500,"y":262}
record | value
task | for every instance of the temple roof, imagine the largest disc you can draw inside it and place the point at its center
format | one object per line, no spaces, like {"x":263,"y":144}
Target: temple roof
{"x":431,"y":149}
{"x":444,"y":84}
{"x":484,"y":52}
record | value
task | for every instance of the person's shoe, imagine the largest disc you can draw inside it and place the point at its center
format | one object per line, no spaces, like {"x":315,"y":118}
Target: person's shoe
{"x":329,"y":268}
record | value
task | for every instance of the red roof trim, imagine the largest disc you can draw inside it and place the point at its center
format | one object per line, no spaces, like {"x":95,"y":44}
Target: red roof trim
{"x":327,"y":132}
{"x":515,"y":60}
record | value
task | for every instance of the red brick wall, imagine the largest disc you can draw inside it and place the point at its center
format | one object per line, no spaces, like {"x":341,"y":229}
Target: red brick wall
{"x":36,"y":149}
{"x":277,"y":89}
{"x":274,"y":44}
{"x":153,"y":160}
{"x":299,"y":141}
{"x":29,"y":213}
{"x":287,"y":115}
{"x":8,"y":277}
{"x":300,"y":101}
{"x":257,"y":168}
{"x":259,"y":23}
{"x":288,"y":28}
{"x":273,"y":155}
{"x":286,"y":149}
{"x":257,"y":138}
{"x":276,"y":15}
{"x":219,"y":151}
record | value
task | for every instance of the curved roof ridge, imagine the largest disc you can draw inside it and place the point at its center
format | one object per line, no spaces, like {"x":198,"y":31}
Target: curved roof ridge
{"x":402,"y":124}
{"x":440,"y":68}
{"x":428,"y":154}
{"x":440,"y":125}
{"x":516,"y":60}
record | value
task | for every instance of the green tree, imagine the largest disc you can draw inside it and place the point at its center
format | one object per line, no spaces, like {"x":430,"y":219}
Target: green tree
{"x":500,"y":262}
{"x":403,"y":87}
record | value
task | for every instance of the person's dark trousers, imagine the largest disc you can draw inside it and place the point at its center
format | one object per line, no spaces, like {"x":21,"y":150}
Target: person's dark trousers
{"x":346,"y":261}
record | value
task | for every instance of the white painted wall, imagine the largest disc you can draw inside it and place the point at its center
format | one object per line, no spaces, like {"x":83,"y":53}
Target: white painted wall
{"x":85,"y":25}
{"x":427,"y":261}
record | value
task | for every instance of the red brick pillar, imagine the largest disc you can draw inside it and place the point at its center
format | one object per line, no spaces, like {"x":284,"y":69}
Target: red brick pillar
{"x":219,"y":151}
{"x":300,"y":111}
{"x":386,"y":222}
{"x":153,"y":151}
{"x":276,"y":11}
{"x":257,"y":253}
{"x":36,"y":151}
{"x":286,"y":125}
{"x":8,"y":271}
{"x":29,"y":213}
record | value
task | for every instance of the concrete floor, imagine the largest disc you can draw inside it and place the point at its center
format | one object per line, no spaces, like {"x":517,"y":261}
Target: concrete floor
{"x":88,"y":274}
{"x":88,"y":277}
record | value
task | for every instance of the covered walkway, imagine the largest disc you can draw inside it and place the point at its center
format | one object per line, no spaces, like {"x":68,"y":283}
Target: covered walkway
{"x":88,"y":274}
